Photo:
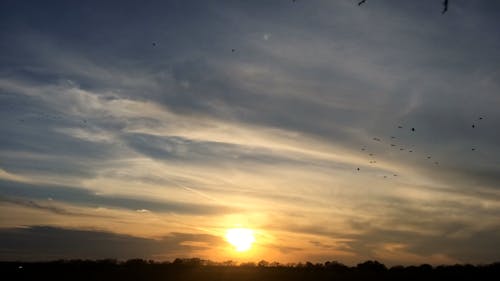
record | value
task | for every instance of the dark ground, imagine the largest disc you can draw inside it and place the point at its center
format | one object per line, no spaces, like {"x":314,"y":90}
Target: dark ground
{"x":196,"y":269}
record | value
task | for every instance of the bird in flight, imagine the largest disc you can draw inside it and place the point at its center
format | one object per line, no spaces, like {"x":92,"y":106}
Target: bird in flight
{"x":361,"y":2}
{"x":445,"y":6}
{"x":413,"y":129}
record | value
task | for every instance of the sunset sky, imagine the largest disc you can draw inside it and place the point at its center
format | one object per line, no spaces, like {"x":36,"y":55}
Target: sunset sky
{"x":149,"y":128}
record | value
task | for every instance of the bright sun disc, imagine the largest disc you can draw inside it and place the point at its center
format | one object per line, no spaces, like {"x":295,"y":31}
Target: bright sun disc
{"x":240,"y":238}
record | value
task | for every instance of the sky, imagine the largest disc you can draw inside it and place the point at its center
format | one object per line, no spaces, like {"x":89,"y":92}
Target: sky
{"x":333,"y":131}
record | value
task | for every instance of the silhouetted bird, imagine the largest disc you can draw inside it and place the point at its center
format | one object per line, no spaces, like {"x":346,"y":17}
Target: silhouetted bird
{"x":480,"y":118}
{"x":401,"y":149}
{"x":393,"y":137}
{"x":154,"y":44}
{"x":376,"y":139}
{"x":361,"y":2}
{"x":473,"y":149}
{"x":473,"y":126}
{"x":400,"y":127}
{"x":410,"y":150}
{"x":232,"y":50}
{"x":413,"y":129}
{"x":445,"y":6}
{"x":395,"y":175}
{"x":393,"y":144}
{"x":357,"y":169}
{"x":428,"y":157}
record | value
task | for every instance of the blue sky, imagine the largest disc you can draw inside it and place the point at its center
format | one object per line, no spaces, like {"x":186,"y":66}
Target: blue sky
{"x":168,"y":122}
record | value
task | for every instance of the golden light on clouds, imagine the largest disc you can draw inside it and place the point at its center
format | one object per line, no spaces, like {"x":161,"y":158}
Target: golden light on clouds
{"x":241,"y":238}
{"x":269,"y":152}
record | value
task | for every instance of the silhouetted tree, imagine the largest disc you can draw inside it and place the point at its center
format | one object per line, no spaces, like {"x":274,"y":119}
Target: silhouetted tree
{"x":371,"y":266}
{"x":263,"y":263}
{"x":336,"y":266}
{"x":198,"y":269}
{"x":248,"y":264}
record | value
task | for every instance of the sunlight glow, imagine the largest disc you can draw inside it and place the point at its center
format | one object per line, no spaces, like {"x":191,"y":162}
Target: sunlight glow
{"x":240,"y":238}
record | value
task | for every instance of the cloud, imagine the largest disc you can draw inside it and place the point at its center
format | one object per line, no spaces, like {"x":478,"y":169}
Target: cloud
{"x":474,"y":248}
{"x":43,"y":207}
{"x":84,"y":197}
{"x":94,"y":116}
{"x":50,"y":243}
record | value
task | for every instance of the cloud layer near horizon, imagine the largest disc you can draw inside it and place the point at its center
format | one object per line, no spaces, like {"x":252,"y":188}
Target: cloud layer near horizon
{"x":103,"y":131}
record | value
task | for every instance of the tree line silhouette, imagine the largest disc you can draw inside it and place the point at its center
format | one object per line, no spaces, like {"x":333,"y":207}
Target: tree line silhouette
{"x":197,"y":269}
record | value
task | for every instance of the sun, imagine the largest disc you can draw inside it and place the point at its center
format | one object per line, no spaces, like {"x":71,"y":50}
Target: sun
{"x":240,"y":238}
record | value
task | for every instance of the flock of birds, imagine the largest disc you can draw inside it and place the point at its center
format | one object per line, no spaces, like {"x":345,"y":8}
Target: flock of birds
{"x":393,"y":145}
{"x":372,"y":161}
{"x":410,"y":150}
